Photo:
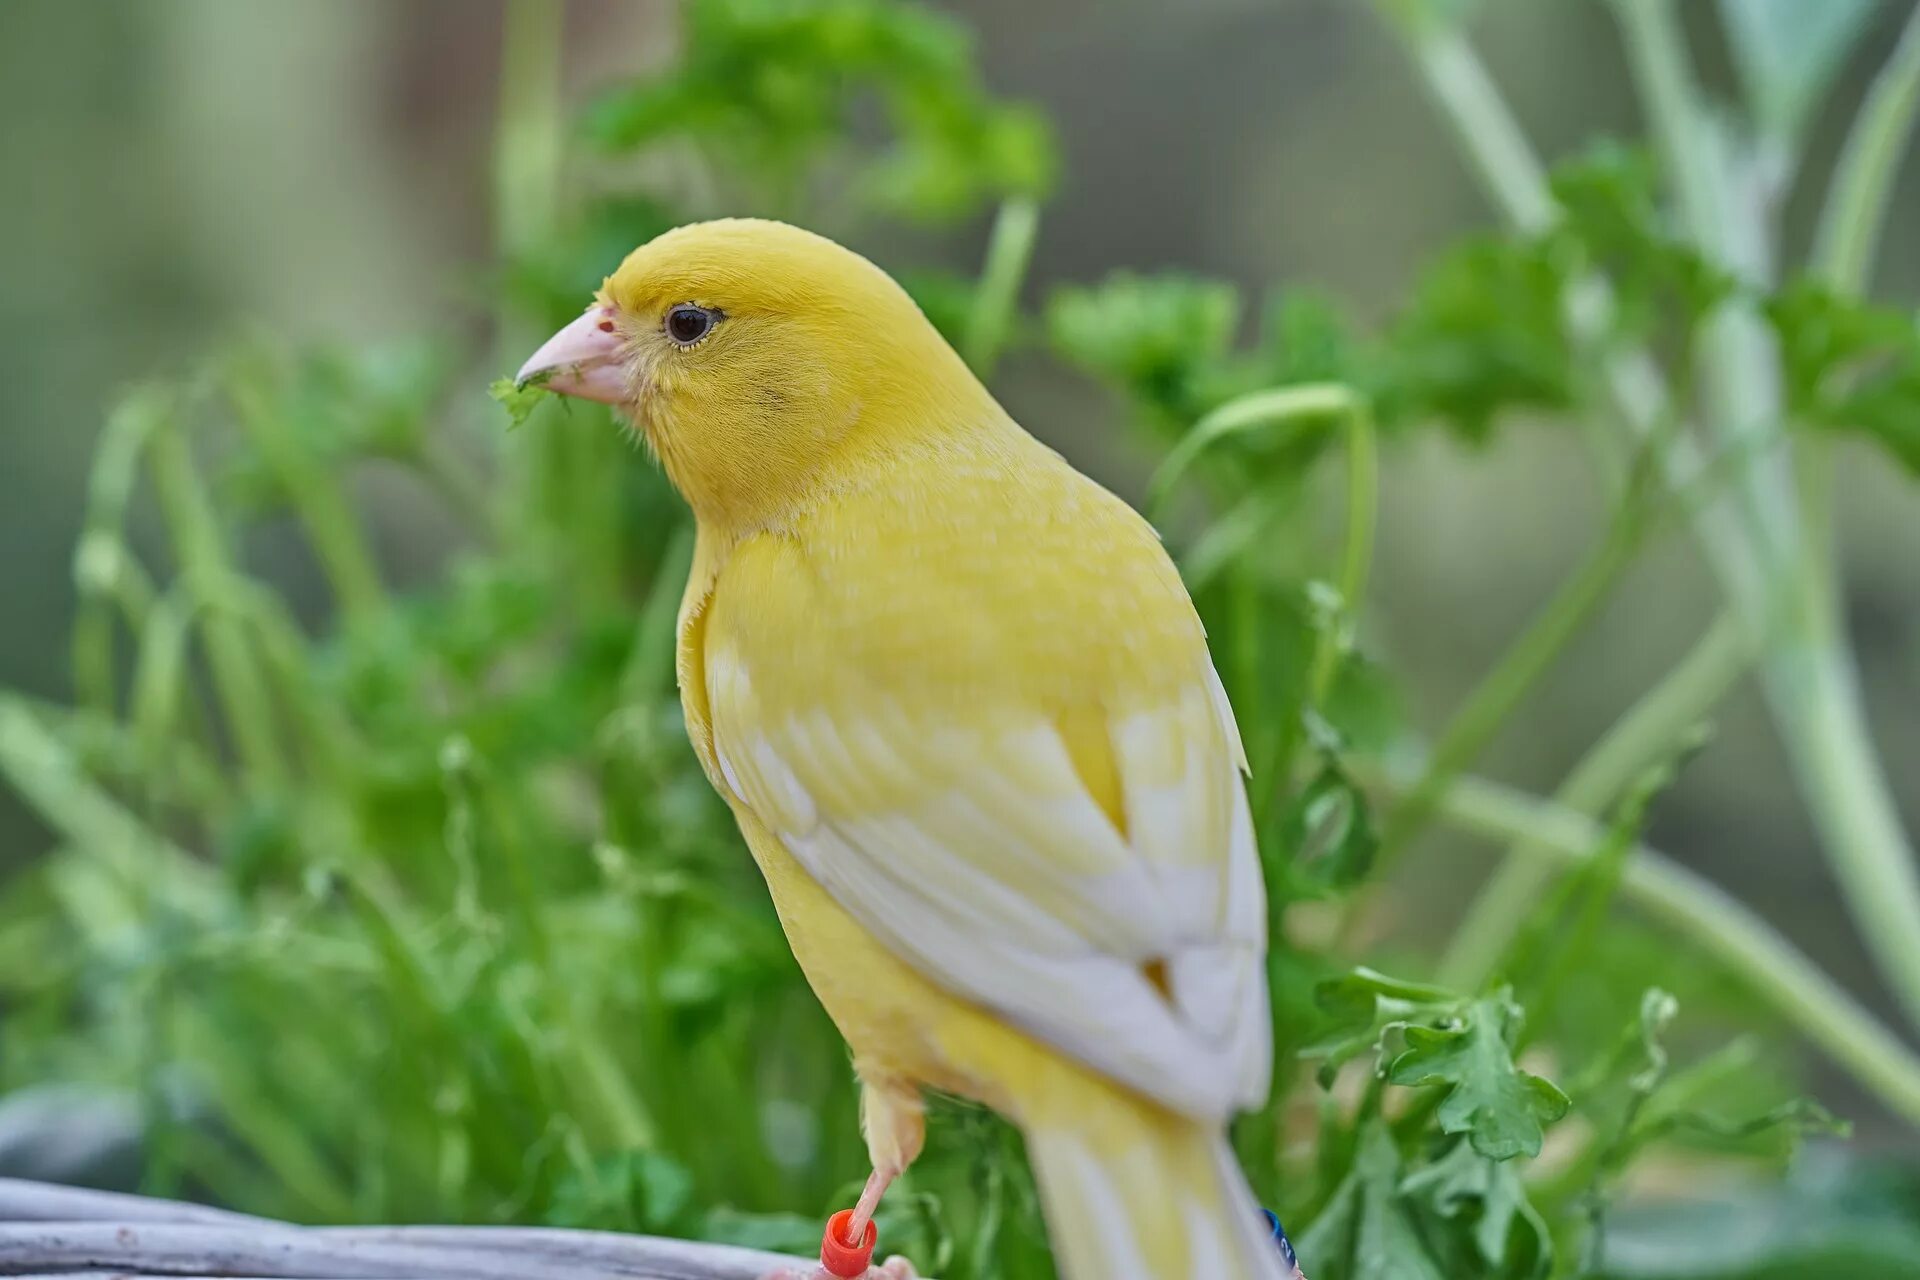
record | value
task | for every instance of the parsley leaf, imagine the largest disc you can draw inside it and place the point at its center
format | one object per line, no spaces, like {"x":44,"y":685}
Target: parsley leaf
{"x":1851,"y":366}
{"x":1502,"y":1109}
{"x":519,"y":399}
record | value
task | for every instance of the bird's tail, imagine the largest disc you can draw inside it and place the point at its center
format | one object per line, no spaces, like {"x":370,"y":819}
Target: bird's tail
{"x":1132,"y":1192}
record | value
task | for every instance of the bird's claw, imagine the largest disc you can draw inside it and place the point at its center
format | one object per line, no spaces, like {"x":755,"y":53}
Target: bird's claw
{"x":895,"y":1268}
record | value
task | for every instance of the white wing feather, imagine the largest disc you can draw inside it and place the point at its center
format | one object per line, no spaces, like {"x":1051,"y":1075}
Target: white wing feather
{"x":979,"y":857}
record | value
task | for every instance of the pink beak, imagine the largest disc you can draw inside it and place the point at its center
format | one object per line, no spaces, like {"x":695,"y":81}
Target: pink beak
{"x":582,"y":359}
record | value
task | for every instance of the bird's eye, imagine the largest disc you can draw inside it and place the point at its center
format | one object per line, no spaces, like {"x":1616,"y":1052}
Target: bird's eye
{"x":688,"y":324}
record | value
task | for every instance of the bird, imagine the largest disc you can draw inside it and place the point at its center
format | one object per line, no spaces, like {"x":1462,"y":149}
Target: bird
{"x":962,"y":708}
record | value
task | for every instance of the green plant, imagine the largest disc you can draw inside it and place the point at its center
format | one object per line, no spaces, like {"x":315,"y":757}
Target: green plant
{"x":430,"y":915}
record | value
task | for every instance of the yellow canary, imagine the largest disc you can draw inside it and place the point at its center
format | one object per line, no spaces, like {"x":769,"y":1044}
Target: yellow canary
{"x":962,"y":708}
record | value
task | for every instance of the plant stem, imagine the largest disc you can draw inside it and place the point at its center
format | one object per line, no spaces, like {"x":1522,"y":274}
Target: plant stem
{"x":312,"y":489}
{"x":526,"y":155}
{"x":1816,"y":691}
{"x":1635,"y":741}
{"x":1855,"y":212}
{"x":1796,"y":988}
{"x":1738,"y":356}
{"x":1656,"y":50}
{"x":103,"y":566}
{"x":464,"y":491}
{"x":1493,"y":143}
{"x":1808,"y":670}
{"x":1281,"y":407}
{"x":526,"y":174}
{"x":1861,"y":834}
{"x":1486,"y":129}
{"x":1009,"y":250}
{"x":1852,"y":220}
{"x":1363,"y":501}
{"x":202,"y":554}
{"x":1525,"y":660}
{"x":88,"y":819}
{"x":1276,"y":407}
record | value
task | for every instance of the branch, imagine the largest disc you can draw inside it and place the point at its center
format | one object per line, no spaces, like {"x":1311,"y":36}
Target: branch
{"x":52,"y":1229}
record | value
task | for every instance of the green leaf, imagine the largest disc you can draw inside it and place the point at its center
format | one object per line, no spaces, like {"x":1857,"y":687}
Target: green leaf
{"x":1483,"y":336}
{"x":1851,"y":366}
{"x":632,"y":1191}
{"x":1157,"y":338}
{"x":1788,"y":53}
{"x":1365,"y":994}
{"x":520,"y":399}
{"x":1839,"y":1214}
{"x":1362,"y":1006}
{"x":1487,"y":1198}
{"x":1329,"y":831}
{"x":771,"y":89}
{"x":1611,"y":221}
{"x":1366,"y":1231}
{"x":774,"y":1232}
{"x":1307,"y":337}
{"x":1503,"y":1109}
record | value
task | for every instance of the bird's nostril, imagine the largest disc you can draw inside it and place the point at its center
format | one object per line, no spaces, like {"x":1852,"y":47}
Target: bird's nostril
{"x":606,"y":326}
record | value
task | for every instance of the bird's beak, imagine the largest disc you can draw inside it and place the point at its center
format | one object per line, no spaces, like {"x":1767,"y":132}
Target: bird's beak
{"x":582,"y":359}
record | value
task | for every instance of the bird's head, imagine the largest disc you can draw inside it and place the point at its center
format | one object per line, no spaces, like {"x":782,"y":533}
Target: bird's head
{"x":757,"y":359}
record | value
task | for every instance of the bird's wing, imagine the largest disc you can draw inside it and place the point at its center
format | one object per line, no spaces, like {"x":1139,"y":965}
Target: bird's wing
{"x":1100,"y":892}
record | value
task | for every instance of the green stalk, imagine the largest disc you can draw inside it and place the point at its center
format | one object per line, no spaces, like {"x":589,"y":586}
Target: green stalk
{"x":1855,"y":212}
{"x":460,"y":486}
{"x":1852,"y":221}
{"x":331,"y":744}
{"x":1489,"y":134}
{"x":1283,"y":407}
{"x":1698,"y":910}
{"x":202,"y":554}
{"x":1738,"y":356}
{"x":1493,"y":143}
{"x":104,"y":569}
{"x":526,"y":154}
{"x":1861,"y":833}
{"x":1808,"y":671}
{"x":1363,"y":499}
{"x":1009,"y":250}
{"x":526,"y":176}
{"x":1637,"y":739}
{"x":1656,"y":50}
{"x":89,"y":820}
{"x":1277,"y":407}
{"x":1524,"y":662}
{"x":1850,"y":793}
{"x":1814,"y":689}
{"x":314,"y":492}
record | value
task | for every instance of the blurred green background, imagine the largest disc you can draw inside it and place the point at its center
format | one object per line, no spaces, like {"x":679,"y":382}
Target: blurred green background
{"x":322,"y":171}
{"x":191,"y":174}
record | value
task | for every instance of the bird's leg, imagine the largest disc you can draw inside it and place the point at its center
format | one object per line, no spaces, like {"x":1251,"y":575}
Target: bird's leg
{"x":893,"y":1117}
{"x":892,"y":1269}
{"x":877,"y":1183}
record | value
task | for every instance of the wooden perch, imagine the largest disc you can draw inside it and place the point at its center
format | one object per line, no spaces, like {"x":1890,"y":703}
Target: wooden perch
{"x":65,"y":1232}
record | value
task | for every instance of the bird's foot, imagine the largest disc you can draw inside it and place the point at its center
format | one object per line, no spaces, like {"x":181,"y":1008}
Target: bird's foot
{"x":892,"y":1269}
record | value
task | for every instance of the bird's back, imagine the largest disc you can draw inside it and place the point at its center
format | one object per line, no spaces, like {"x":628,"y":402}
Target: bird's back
{"x":967,"y":571}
